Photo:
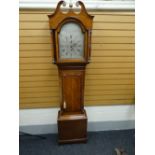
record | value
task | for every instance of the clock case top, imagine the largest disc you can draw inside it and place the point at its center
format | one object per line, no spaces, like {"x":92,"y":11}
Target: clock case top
{"x":83,"y":19}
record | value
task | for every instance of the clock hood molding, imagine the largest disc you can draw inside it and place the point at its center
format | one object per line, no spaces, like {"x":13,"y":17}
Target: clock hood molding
{"x":58,"y":13}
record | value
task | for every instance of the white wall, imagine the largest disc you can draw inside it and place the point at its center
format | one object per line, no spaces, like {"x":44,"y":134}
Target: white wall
{"x":90,"y":4}
{"x":96,"y":114}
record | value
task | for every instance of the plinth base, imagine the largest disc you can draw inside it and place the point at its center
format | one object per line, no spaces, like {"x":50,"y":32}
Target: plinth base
{"x":72,"y":128}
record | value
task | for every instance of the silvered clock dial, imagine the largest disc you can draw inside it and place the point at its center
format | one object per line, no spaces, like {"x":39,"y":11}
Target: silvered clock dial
{"x":71,"y":41}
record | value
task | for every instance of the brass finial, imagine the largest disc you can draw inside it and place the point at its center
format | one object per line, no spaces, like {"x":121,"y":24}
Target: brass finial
{"x":70,"y":4}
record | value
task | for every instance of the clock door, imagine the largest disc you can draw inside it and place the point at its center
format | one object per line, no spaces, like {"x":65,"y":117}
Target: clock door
{"x":72,"y":89}
{"x":71,"y":41}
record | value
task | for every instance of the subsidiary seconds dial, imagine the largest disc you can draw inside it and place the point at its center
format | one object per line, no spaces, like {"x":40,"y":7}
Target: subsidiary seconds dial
{"x":71,"y":41}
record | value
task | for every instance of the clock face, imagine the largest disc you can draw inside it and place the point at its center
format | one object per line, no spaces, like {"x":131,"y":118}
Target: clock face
{"x":71,"y":41}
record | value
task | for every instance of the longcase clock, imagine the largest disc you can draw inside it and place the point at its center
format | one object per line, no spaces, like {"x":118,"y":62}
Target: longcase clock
{"x":71,"y":38}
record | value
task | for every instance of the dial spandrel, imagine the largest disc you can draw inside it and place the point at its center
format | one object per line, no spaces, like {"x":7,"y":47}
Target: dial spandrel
{"x":71,"y":41}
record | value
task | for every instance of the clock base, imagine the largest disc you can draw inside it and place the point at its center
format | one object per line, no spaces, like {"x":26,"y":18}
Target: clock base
{"x":72,"y":128}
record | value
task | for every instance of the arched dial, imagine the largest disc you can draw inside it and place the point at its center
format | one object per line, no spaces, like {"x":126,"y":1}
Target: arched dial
{"x":71,"y":41}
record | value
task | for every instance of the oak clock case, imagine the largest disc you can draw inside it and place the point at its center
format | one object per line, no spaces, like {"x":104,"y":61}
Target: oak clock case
{"x":71,"y":38}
